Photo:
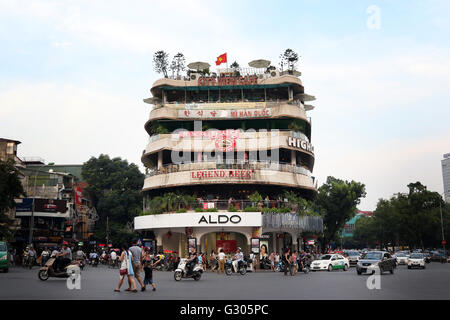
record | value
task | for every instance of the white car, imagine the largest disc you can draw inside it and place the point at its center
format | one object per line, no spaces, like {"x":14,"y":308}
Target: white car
{"x":401,"y":258}
{"x":416,"y":260}
{"x":330,"y":262}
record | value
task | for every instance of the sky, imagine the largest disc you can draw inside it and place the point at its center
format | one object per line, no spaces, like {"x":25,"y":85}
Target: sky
{"x":73,"y":75}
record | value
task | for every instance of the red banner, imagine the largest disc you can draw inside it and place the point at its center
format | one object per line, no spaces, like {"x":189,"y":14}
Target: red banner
{"x":228,"y":246}
{"x":78,"y":196}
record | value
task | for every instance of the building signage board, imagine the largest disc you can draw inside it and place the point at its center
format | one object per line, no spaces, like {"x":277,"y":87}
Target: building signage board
{"x":300,"y":144}
{"x":225,"y":140}
{"x":227,"y":81}
{"x":225,"y":114}
{"x":199,"y":219}
{"x":222,"y":174}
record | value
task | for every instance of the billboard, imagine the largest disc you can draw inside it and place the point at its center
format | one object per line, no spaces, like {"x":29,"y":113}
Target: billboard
{"x":42,"y":205}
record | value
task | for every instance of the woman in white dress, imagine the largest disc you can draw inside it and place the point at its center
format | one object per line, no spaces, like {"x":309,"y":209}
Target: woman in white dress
{"x":126,"y":270}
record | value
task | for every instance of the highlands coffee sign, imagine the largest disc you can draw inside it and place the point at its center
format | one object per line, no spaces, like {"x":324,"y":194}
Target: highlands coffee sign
{"x":222,"y":174}
{"x":300,"y":144}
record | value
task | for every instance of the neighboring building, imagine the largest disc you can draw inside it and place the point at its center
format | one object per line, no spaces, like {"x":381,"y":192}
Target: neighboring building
{"x":261,"y":142}
{"x":8,"y":150}
{"x":349,"y":226}
{"x":60,"y":210}
{"x":446,"y":176}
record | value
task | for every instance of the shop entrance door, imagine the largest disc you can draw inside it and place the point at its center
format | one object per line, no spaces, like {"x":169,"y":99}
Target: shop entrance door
{"x":228,"y":246}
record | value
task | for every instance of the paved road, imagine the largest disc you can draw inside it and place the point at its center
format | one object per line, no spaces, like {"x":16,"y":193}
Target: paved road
{"x":98,"y":283}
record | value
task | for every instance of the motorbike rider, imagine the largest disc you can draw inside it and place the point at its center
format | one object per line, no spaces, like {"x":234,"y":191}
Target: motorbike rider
{"x":64,"y":257}
{"x":237,"y":260}
{"x":80,"y":254}
{"x":32,"y":254}
{"x":45,"y":254}
{"x":191,"y":262}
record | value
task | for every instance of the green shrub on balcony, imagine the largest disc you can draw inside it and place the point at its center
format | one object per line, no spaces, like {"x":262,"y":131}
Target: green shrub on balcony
{"x":182,"y":210}
{"x":232,"y":209}
{"x":211,"y":210}
{"x":251,"y":209}
{"x":199,"y":210}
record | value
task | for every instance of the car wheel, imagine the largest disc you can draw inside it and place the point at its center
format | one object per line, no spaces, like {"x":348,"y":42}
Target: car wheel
{"x":423,"y":267}
{"x":358,"y":272}
{"x":409,"y":267}
{"x":391,"y":271}
{"x":330,"y":268}
{"x":6,"y":270}
{"x":345,"y":267}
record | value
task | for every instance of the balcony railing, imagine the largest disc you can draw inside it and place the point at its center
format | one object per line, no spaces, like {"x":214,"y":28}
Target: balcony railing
{"x":175,"y":136}
{"x":258,"y":165}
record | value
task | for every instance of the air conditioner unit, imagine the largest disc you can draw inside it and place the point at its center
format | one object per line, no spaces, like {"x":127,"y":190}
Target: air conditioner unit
{"x":194,"y":76}
{"x":274,"y":73}
{"x":261,"y":76}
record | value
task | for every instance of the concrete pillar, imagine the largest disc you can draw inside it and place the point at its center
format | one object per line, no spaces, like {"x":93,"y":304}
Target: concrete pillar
{"x":160,"y":160}
{"x":293,"y":158}
{"x":274,"y":237}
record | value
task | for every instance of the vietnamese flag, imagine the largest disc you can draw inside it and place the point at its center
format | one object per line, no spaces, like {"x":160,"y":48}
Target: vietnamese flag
{"x":221,"y":59}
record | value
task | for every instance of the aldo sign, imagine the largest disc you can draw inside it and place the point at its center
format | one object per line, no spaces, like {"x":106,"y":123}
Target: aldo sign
{"x":198,"y":219}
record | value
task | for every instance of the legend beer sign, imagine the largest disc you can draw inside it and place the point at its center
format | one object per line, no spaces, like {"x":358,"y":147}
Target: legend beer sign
{"x":301,"y":144}
{"x":222,"y":174}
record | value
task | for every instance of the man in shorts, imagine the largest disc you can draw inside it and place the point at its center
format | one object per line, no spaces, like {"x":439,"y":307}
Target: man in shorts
{"x":136,"y":261}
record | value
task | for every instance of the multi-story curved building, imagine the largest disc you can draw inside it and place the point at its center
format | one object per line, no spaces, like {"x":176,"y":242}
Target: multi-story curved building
{"x":226,"y":153}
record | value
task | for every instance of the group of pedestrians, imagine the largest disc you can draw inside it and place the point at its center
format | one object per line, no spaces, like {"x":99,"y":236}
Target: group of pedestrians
{"x":133,"y":261}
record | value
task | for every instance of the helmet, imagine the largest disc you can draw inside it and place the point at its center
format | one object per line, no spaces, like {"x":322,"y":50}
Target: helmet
{"x":239,"y":248}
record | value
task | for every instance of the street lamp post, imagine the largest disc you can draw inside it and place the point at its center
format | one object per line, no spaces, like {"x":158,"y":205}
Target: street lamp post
{"x":30,"y":240}
{"x":442,"y":227}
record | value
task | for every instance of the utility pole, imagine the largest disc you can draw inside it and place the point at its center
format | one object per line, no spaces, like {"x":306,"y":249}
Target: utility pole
{"x":107,"y":231}
{"x":442,"y":226}
{"x":30,"y":239}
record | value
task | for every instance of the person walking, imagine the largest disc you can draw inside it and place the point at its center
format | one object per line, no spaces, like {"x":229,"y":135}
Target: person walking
{"x":136,"y":263}
{"x":213,"y":261}
{"x":276,"y":259}
{"x":221,"y":257}
{"x":272,"y":261}
{"x":126,"y":270}
{"x":148,"y":269}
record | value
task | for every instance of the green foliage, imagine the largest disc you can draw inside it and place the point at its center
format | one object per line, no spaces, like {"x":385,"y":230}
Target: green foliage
{"x":251,"y":209}
{"x":289,"y":59}
{"x":10,"y":188}
{"x":170,"y":202}
{"x":411,"y":219}
{"x":232,"y":209}
{"x":182,"y":210}
{"x":276,"y":210}
{"x":255,"y":197}
{"x":199,"y":210}
{"x":337,"y":201}
{"x":211,"y":210}
{"x":161,"y":62}
{"x":114,"y":190}
{"x":178,"y":63}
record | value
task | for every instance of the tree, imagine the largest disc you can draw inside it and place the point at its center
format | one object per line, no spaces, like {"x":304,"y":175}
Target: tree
{"x":161,"y":62}
{"x":411,"y":219}
{"x":178,"y":64}
{"x":10,"y":188}
{"x":114,"y":190}
{"x":337,"y":201}
{"x":288,"y":59}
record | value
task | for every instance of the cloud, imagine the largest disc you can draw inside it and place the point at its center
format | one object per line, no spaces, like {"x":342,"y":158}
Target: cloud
{"x":61,"y":44}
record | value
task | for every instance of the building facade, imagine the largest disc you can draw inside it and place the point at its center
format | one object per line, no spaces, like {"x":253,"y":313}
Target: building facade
{"x":446,"y":176}
{"x":224,"y":152}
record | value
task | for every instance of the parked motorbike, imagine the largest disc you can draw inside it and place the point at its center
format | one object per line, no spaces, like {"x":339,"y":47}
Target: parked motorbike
{"x":304,"y":265}
{"x":183,"y":271}
{"x":264,"y":264}
{"x":242,"y":267}
{"x":48,"y":270}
